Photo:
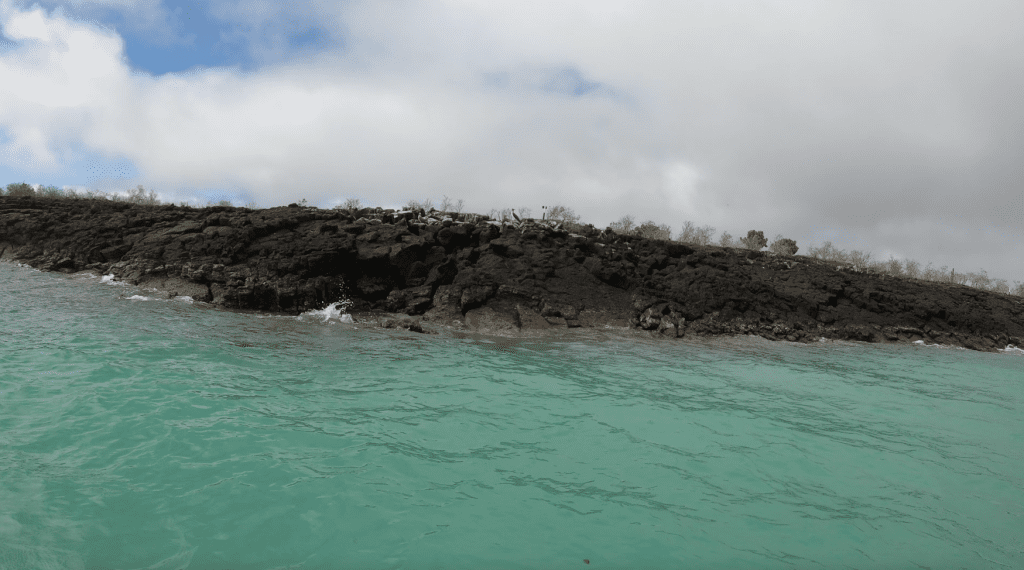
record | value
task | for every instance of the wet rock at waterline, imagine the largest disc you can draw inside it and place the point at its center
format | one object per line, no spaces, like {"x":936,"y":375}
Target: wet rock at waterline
{"x":465,"y":271}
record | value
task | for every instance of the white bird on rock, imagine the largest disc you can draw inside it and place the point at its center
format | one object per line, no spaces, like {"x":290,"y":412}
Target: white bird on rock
{"x":514,"y":215}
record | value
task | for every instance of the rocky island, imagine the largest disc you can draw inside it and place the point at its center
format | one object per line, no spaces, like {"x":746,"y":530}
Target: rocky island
{"x":469,"y":272}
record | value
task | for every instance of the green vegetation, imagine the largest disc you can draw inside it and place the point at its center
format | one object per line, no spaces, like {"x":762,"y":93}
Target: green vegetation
{"x":20,"y":189}
{"x":137,"y":195}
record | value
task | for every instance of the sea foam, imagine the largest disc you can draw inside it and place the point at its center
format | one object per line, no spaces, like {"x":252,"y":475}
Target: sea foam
{"x":923,"y":343}
{"x":334,"y":311}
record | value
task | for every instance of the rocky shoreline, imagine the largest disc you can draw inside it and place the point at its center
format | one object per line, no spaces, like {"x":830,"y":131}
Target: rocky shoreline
{"x":467,"y":272}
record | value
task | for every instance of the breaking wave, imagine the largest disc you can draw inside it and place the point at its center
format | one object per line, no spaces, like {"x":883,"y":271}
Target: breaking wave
{"x":334,"y":312}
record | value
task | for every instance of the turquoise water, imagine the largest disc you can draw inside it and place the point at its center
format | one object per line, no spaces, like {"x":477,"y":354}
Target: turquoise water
{"x":157,"y":434}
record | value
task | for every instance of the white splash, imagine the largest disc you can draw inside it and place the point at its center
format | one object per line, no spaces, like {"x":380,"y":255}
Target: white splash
{"x":138,"y":298}
{"x":109,"y":279}
{"x":923,"y":343}
{"x":334,"y":311}
{"x":1012,"y":349}
{"x":184,"y":298}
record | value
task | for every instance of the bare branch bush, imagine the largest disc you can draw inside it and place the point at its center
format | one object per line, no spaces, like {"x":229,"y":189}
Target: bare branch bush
{"x":824,"y":252}
{"x":979,"y":280}
{"x":569,"y":219}
{"x":20,"y":189}
{"x":350,"y":204}
{"x":690,"y":233}
{"x":139,"y":195}
{"x":861,"y":259}
{"x":912,"y":269}
{"x":651,"y":230}
{"x":426,"y":205}
{"x":940,"y":275}
{"x":894,"y":267}
{"x":726,"y":240}
{"x":687,"y":233}
{"x":783,"y":246}
{"x":502,"y":215}
{"x":704,"y":235}
{"x":624,"y":226}
{"x":563,"y":214}
{"x":50,"y":192}
{"x":450,"y":205}
{"x":755,"y":240}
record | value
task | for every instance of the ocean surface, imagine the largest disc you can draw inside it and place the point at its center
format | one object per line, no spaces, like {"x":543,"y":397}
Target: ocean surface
{"x":138,"y":432}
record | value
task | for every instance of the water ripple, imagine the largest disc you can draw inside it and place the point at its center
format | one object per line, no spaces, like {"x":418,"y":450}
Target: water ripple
{"x":167,"y":435}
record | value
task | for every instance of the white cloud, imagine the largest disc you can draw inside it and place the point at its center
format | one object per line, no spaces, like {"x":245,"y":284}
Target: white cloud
{"x":314,"y":128}
{"x":29,"y":25}
{"x":742,"y":114}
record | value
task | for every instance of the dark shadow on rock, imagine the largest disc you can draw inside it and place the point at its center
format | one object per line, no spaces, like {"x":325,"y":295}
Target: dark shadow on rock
{"x":466,"y":272}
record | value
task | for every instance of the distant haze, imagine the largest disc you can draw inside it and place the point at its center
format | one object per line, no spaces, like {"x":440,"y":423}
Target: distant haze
{"x":891,"y":127}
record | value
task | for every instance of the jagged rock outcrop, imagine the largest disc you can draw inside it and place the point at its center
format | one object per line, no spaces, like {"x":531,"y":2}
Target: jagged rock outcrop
{"x":467,"y":271}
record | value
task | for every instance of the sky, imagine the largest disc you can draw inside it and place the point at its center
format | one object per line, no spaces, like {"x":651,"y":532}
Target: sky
{"x":890,"y":127}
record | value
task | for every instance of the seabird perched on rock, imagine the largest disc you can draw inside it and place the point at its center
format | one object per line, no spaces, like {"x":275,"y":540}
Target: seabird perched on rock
{"x":514,"y":215}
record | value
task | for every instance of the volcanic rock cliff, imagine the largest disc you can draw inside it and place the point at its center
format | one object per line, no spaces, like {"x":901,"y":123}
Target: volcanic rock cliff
{"x":471,"y":272}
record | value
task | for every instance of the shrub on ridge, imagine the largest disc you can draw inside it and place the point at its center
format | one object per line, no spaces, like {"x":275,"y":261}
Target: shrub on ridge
{"x":651,"y":230}
{"x":20,"y":189}
{"x":755,"y":240}
{"x":690,"y":233}
{"x":783,"y":246}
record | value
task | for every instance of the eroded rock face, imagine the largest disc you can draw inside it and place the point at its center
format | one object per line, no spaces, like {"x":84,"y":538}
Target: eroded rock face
{"x":466,"y":271}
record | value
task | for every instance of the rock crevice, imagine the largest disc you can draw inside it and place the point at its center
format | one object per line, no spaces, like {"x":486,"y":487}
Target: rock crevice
{"x":464,"y":270}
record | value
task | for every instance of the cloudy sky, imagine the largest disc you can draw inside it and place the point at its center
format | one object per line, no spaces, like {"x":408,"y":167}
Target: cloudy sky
{"x":892,"y":127}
